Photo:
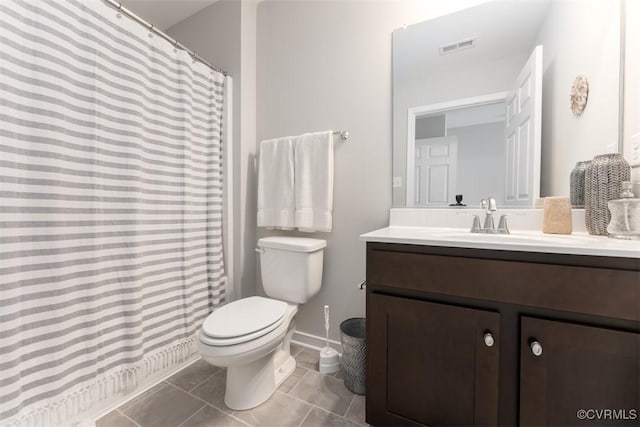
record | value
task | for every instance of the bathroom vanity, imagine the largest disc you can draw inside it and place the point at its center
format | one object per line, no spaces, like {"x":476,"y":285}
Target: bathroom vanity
{"x":494,"y":330}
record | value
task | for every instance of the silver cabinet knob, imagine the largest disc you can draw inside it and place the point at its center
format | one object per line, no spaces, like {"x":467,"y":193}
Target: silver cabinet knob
{"x":536,"y":348}
{"x":488,"y":339}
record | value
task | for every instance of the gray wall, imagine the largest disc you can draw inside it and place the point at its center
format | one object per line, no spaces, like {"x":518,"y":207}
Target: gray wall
{"x":327,"y":65}
{"x":320,"y":65}
{"x":431,"y":127}
{"x":481,"y":162}
{"x":224,"y":34}
{"x":591,"y":48}
{"x":214,"y":33}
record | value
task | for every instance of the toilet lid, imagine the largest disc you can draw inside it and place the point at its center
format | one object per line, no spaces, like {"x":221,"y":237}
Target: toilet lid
{"x":243,"y":317}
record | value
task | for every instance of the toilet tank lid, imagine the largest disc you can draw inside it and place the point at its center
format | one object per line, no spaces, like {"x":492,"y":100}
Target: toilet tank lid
{"x":294,"y":244}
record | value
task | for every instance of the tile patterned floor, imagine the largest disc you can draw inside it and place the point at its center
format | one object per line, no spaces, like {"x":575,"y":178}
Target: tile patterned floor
{"x":194,"y":397}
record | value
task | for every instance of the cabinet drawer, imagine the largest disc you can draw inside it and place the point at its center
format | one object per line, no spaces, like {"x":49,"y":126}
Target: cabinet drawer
{"x":604,"y":292}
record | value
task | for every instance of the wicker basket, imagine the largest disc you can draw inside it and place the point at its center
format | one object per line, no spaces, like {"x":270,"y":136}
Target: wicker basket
{"x":603,"y":182}
{"x":354,"y":353}
{"x":577,"y":184}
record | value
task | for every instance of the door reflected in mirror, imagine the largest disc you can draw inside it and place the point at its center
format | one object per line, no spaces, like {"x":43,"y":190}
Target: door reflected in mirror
{"x":458,"y":151}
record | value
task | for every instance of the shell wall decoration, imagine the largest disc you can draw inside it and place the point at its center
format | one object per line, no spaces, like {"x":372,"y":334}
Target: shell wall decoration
{"x":579,"y":95}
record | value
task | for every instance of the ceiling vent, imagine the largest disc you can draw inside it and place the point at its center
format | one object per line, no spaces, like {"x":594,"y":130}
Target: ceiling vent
{"x":458,"y":46}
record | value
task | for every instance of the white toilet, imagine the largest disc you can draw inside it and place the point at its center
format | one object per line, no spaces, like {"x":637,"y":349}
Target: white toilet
{"x":252,"y":336}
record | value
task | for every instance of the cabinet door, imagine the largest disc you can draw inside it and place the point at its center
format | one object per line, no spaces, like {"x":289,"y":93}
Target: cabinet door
{"x":429,"y":363}
{"x":578,"y":368}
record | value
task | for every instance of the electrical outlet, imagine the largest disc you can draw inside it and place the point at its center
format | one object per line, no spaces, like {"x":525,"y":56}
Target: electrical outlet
{"x":397,"y":182}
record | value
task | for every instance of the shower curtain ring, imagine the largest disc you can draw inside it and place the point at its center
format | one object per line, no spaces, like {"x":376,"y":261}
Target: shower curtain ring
{"x":151,"y":30}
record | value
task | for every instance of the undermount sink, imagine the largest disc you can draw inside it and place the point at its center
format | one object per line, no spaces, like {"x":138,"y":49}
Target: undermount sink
{"x":514,"y":237}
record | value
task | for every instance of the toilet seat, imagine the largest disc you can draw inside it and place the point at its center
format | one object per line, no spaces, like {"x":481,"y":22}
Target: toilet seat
{"x":243,"y":320}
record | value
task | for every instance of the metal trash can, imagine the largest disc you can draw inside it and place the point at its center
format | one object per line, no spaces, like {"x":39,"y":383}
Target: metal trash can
{"x":354,"y":353}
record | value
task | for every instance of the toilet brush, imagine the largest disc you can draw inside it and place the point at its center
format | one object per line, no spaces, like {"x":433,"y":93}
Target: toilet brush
{"x":328,"y":356}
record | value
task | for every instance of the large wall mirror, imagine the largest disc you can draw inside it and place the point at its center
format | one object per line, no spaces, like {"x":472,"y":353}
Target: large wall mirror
{"x":481,"y":100}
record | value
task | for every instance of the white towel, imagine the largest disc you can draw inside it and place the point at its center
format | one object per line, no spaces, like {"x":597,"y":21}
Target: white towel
{"x":314,"y":181}
{"x":276,"y":203}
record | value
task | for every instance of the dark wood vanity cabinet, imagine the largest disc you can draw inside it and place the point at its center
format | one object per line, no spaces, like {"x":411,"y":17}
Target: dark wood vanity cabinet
{"x":482,"y":337}
{"x":433,"y":363}
{"x":576,"y":368}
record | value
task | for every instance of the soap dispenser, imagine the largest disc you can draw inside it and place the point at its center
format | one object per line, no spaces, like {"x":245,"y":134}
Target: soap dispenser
{"x":625,"y":214}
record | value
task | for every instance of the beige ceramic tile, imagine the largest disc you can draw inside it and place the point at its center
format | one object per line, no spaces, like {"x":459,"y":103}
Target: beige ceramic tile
{"x":281,"y":410}
{"x":209,"y":416}
{"x":169,"y":407}
{"x":193,"y":375}
{"x":212,"y":391}
{"x":308,"y":358}
{"x":339,"y":374}
{"x":319,"y":418}
{"x":115,"y":419}
{"x":356,"y":411}
{"x":293,"y":379}
{"x":153,"y":390}
{"x":324,"y":391}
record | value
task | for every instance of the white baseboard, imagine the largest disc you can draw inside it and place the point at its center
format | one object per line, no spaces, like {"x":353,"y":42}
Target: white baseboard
{"x":313,"y":341}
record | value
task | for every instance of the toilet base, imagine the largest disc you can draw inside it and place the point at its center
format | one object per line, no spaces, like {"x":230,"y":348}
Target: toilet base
{"x":252,"y":384}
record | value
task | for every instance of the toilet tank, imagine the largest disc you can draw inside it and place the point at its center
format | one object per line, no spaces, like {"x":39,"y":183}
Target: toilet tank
{"x":291,"y":267}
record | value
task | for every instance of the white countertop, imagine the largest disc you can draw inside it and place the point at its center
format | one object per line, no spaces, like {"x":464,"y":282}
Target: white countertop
{"x":523,"y":241}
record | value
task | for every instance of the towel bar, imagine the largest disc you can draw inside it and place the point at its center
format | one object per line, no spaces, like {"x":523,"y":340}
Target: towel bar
{"x":344,"y":134}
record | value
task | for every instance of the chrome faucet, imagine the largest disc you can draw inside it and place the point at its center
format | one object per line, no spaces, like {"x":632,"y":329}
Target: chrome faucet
{"x":490,"y":205}
{"x":489,"y":225}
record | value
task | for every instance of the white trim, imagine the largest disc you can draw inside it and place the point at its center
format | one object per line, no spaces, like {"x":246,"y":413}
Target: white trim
{"x":314,"y":342}
{"x":537,"y":141}
{"x":227,"y":228}
{"x":411,"y":156}
{"x":414,"y":112}
{"x":622,"y":75}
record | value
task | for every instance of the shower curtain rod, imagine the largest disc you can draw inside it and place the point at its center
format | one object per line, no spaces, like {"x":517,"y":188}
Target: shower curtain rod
{"x":176,"y":44}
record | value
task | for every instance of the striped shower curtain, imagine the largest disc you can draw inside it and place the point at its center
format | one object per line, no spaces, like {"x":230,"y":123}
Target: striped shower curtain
{"x":110,"y":206}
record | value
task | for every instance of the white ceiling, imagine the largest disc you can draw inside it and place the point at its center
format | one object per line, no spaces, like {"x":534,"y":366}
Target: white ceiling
{"x":165,"y":13}
{"x":502,"y":29}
